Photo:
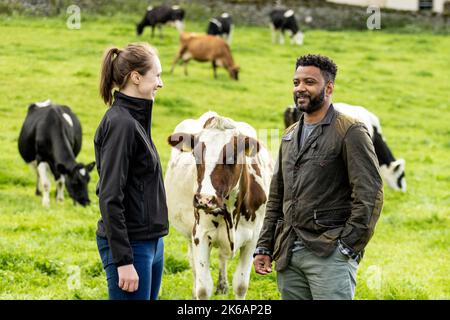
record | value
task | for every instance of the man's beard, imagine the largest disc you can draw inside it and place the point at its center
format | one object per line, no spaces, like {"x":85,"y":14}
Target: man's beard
{"x":314,"y":103}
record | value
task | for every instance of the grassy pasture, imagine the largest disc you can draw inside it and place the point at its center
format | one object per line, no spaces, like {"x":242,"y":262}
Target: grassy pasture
{"x":403,"y":78}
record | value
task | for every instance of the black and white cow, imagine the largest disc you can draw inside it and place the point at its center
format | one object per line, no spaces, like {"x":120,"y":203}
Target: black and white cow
{"x":282,"y":20}
{"x":217,"y":184}
{"x":221,"y":26}
{"x":392,"y":170}
{"x":49,"y":140}
{"x":159,"y":15}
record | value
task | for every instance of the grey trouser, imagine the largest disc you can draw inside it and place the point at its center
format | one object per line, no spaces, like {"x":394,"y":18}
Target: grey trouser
{"x":310,"y":277}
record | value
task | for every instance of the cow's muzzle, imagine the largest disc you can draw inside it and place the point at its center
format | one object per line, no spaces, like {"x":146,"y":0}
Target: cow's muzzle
{"x":205,"y":202}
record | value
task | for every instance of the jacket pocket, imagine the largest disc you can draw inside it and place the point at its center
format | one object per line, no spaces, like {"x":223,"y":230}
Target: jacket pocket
{"x":142,"y":203}
{"x":278,"y":228}
{"x":332,"y":218}
{"x":279,"y":237}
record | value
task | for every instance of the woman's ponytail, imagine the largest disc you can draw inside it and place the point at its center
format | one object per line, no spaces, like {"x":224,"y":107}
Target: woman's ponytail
{"x":107,"y":80}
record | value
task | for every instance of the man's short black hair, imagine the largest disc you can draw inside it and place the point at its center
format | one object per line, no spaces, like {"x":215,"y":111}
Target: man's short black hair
{"x":327,"y":67}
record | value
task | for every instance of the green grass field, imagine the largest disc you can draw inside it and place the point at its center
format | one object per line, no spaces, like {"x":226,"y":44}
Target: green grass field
{"x":403,"y":78}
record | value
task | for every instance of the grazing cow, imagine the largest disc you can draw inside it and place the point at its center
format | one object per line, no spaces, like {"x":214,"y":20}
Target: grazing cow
{"x":282,"y":20}
{"x":159,"y":15}
{"x":392,"y":170}
{"x":217,"y":184}
{"x":204,"y":48}
{"x":50,"y":139}
{"x":221,"y":26}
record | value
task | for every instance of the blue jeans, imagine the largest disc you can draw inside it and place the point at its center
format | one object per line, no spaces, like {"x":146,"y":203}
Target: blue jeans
{"x":148,"y":261}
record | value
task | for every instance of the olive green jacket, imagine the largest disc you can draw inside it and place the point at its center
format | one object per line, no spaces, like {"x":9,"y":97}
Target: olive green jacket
{"x":329,"y":190}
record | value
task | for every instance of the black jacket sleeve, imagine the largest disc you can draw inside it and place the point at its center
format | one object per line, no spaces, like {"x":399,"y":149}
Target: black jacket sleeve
{"x":117,"y":147}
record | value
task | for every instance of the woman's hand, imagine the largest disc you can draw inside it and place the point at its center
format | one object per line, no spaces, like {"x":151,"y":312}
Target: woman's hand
{"x":128,"y":278}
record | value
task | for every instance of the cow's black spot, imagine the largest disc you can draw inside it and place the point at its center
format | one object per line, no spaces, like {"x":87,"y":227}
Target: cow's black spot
{"x":399,"y":179}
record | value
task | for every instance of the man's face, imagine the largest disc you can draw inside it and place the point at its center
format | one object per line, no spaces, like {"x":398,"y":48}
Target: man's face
{"x":310,"y":88}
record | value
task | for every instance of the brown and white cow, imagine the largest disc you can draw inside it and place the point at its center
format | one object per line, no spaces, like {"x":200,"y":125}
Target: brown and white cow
{"x":217,"y":184}
{"x":203,"y":48}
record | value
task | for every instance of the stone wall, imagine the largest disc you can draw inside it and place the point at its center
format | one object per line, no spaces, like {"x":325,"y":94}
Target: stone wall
{"x":311,"y":14}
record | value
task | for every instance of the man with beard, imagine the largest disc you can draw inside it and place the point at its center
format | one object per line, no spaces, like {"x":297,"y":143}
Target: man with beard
{"x":325,"y":196}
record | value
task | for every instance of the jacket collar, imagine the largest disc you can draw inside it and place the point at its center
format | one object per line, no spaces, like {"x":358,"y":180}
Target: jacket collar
{"x":140,"y":109}
{"x":326,"y":120}
{"x":314,"y":135}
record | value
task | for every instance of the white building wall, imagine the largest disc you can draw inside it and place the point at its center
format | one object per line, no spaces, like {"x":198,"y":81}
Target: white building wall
{"x":362,"y":3}
{"x":411,"y":5}
{"x":438,"y":5}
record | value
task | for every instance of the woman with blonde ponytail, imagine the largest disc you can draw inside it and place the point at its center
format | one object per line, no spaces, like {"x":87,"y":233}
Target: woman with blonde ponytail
{"x":131,"y":191}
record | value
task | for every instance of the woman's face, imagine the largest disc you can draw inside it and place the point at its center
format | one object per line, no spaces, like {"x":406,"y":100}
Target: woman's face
{"x":150,"y":81}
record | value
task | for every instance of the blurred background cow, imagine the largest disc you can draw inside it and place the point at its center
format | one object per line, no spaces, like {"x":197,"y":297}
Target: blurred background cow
{"x":221,"y":26}
{"x":205,"y":48}
{"x":159,"y":15}
{"x":281,"y":21}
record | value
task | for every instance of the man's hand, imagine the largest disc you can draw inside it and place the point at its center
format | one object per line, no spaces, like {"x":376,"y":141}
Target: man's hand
{"x":128,"y":278}
{"x":263,"y":264}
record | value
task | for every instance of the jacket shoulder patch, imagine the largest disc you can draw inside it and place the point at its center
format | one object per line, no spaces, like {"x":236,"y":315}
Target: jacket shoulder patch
{"x":287,"y":135}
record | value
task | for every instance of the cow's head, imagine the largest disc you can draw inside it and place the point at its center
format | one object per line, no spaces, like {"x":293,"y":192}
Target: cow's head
{"x":394,"y":174}
{"x":234,"y":72}
{"x":220,"y":153}
{"x":139,"y":28}
{"x":77,"y":182}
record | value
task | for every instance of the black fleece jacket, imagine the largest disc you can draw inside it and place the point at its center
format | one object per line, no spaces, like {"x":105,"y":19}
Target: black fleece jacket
{"x":131,"y":190}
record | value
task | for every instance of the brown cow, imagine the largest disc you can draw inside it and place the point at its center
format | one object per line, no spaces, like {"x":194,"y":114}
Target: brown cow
{"x":206,"y":48}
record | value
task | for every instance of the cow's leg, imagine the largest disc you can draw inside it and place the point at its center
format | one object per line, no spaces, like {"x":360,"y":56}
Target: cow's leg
{"x":153,"y":31}
{"x":174,"y":63}
{"x":201,"y":253}
{"x":43,"y":170}
{"x":191,"y":262}
{"x":274,"y":35}
{"x":214,"y":65}
{"x":241,"y":276}
{"x":33,"y":164}
{"x":222,"y":284}
{"x":229,"y":36}
{"x":185,"y":63}
{"x":177,"y":58}
{"x":60,"y":189}
{"x":281,"y":33}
